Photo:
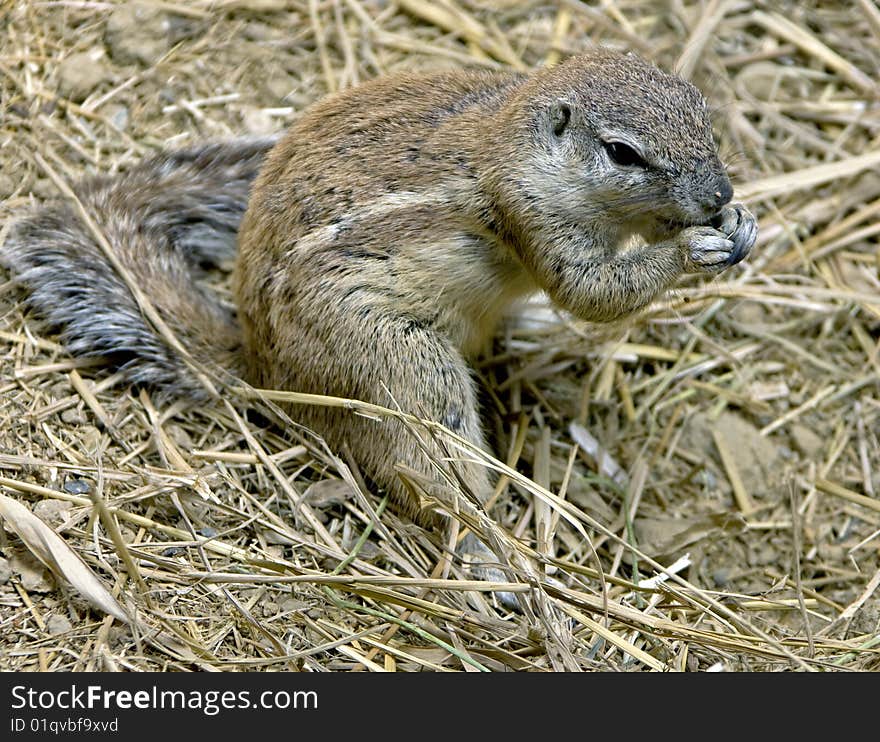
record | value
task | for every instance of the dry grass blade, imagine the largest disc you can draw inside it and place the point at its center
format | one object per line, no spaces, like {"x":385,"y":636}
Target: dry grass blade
{"x":611,"y":637}
{"x":832,"y":488}
{"x":727,"y":458}
{"x":872,"y":13}
{"x":696,"y":43}
{"x":450,"y":17}
{"x":807,"y":178}
{"x":54,"y":552}
{"x":811,"y":45}
{"x":624,"y":456}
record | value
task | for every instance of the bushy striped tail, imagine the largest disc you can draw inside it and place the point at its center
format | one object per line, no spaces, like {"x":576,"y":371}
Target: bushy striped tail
{"x":166,"y":219}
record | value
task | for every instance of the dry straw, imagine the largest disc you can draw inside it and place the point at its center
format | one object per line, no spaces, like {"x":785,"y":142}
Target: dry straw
{"x":694,"y":488}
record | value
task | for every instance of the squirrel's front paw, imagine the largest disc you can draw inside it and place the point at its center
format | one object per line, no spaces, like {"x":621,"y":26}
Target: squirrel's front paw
{"x":741,"y":228}
{"x":711,"y":249}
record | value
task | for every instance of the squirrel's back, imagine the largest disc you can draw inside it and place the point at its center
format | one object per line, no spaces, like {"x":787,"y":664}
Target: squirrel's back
{"x":411,"y":203}
{"x":178,"y":211}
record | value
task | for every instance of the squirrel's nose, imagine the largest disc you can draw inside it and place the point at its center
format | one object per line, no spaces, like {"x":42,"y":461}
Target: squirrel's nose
{"x":722,"y":194}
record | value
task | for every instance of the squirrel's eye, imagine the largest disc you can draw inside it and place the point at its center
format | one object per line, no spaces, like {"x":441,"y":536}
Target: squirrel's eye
{"x":624,"y":155}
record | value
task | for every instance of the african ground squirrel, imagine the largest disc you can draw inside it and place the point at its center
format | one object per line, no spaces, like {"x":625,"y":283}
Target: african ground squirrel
{"x":387,"y":232}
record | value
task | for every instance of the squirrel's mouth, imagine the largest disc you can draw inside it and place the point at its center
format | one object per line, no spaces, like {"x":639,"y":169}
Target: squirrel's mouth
{"x":659,"y":227}
{"x":716,"y":221}
{"x":712,"y":220}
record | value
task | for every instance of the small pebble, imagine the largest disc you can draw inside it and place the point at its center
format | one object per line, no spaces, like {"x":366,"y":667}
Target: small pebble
{"x":80,"y":75}
{"x":708,"y":478}
{"x":44,"y":189}
{"x":280,"y":86}
{"x":808,"y":443}
{"x":77,"y":486}
{"x":137,"y":33}
{"x":7,"y":185}
{"x":73,"y":416}
{"x":117,"y":114}
{"x":34,"y":577}
{"x":53,"y":512}
{"x":292,"y":605}
{"x":58,"y":623}
{"x":258,"y":122}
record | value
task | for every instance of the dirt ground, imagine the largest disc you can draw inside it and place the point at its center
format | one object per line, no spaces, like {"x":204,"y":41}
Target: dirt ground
{"x":730,"y":435}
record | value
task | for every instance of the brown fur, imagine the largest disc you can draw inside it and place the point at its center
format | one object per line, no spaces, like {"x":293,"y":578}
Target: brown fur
{"x":395,"y":224}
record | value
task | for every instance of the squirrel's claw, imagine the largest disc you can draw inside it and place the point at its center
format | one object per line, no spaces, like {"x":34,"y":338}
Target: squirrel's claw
{"x":726,"y":242}
{"x":738,"y":224}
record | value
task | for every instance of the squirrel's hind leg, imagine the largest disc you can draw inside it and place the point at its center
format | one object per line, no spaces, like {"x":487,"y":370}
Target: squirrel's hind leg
{"x":376,"y":355}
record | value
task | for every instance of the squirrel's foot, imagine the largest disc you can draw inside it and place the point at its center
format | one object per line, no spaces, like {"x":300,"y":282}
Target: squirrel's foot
{"x":711,"y":249}
{"x":483,"y":564}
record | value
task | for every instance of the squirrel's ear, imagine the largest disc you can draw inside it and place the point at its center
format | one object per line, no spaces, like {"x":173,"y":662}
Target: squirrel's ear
{"x":560,"y":115}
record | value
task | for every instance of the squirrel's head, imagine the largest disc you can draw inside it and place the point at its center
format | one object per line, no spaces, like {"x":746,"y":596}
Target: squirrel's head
{"x":616,"y":134}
